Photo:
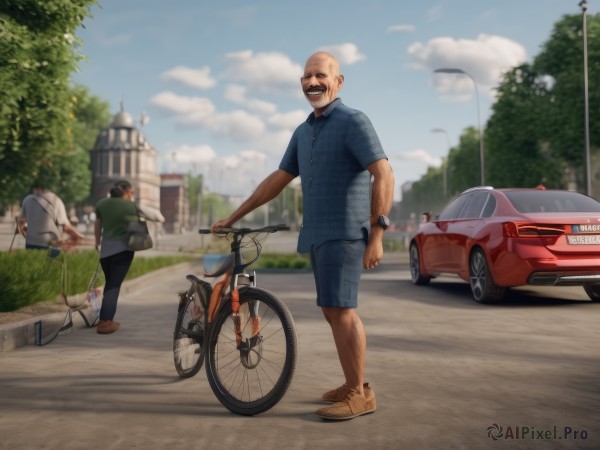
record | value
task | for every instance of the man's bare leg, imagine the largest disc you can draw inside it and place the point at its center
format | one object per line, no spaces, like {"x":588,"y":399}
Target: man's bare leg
{"x":351,"y":344}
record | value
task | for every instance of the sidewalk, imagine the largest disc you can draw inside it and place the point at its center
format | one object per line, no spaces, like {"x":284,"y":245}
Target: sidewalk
{"x":17,"y":334}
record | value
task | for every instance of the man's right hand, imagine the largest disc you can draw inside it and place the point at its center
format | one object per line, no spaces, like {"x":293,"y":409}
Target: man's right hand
{"x":215,"y":227}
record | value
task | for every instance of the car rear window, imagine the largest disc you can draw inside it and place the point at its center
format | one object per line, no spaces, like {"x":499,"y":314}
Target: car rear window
{"x":552,"y":201}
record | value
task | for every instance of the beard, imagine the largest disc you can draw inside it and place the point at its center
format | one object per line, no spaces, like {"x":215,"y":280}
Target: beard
{"x":320,"y":103}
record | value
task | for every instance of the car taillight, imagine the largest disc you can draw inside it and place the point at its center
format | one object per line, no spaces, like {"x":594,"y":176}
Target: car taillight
{"x":527,"y":229}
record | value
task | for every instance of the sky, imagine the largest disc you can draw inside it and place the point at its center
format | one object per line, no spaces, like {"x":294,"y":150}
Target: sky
{"x":215,"y":85}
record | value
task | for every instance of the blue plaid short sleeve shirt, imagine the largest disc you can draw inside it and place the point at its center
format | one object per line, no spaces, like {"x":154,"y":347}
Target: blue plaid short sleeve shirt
{"x":331,"y":154}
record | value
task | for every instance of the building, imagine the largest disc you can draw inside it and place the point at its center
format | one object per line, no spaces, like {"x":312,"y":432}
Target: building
{"x":174,"y":202}
{"x":122,"y":152}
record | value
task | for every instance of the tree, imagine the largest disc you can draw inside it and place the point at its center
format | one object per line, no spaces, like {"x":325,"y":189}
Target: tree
{"x":561,"y":59}
{"x":463,"y":162}
{"x":516,"y":154}
{"x":195,"y":188}
{"x":68,"y":173}
{"x":37,"y":56}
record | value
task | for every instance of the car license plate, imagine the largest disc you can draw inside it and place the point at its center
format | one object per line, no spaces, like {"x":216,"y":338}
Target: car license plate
{"x":584,"y":239}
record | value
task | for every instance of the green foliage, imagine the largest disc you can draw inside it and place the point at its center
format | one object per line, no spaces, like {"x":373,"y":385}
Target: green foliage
{"x":281,"y":261}
{"x":214,"y":207}
{"x":68,"y":173}
{"x":516,"y":151}
{"x":27,"y":277}
{"x":561,"y":59}
{"x":30,"y":276}
{"x":461,"y":172}
{"x":195,"y":186}
{"x":39,"y":52}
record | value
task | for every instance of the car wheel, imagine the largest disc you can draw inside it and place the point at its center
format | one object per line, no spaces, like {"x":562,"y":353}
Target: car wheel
{"x":593,"y":292}
{"x":415,"y":267}
{"x":482,"y":285}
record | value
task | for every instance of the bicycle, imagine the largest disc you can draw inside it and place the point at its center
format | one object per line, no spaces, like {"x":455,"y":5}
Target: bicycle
{"x":244,"y":334}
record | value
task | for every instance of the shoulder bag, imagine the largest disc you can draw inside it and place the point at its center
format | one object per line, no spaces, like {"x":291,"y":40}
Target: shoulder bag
{"x":138,"y":236}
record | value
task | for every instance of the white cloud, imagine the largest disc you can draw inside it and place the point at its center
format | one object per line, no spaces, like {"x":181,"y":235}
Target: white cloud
{"x":346,"y":53}
{"x":422,"y":156}
{"x":400,"y":28}
{"x":246,"y":168}
{"x":237,"y":94}
{"x":273,"y":144}
{"x":264,"y":72}
{"x":238,"y":125}
{"x":198,"y":78}
{"x":200,"y":112}
{"x":181,"y":105}
{"x":236,"y":174}
{"x":289,"y":120}
{"x":485,"y":59}
{"x":197,"y":155}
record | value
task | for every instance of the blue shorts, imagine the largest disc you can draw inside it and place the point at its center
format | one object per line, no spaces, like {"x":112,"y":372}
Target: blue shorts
{"x":337,"y":267}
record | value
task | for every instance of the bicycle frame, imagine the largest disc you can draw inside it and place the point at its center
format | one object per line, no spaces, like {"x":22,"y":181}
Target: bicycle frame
{"x":235,"y":275}
{"x":244,"y":334}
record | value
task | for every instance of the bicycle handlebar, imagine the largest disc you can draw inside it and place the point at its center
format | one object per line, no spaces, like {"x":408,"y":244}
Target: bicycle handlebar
{"x":245,"y":231}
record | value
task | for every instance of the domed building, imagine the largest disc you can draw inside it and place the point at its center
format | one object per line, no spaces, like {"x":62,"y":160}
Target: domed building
{"x":122,"y":152}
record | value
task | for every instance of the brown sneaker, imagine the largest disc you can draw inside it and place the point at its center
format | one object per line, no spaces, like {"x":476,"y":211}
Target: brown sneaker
{"x":338,"y":394}
{"x":107,"y":327}
{"x":353,"y":405}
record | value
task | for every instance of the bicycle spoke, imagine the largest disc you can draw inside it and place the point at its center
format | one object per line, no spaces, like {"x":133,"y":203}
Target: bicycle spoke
{"x":252,"y":370}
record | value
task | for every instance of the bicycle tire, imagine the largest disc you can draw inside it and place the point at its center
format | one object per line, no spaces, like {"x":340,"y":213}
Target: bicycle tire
{"x":253,"y":381}
{"x":189,"y":336}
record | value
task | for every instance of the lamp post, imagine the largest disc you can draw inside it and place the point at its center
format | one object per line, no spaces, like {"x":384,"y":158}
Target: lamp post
{"x":584,"y":6}
{"x":481,"y":158}
{"x":444,"y":160}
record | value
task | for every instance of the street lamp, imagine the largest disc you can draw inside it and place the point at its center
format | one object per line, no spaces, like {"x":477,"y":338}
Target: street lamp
{"x":444,"y":160}
{"x":481,"y":159}
{"x":584,"y":5}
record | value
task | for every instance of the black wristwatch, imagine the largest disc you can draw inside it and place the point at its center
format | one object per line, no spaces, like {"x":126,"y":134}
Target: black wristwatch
{"x":384,"y":222}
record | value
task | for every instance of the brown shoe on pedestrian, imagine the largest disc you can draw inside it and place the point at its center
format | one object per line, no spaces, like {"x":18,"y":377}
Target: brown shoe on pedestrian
{"x":352,"y":406}
{"x":338,"y":394}
{"x":107,"y":327}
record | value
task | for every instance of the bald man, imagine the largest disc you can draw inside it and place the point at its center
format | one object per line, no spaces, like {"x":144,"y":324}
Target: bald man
{"x":336,"y":153}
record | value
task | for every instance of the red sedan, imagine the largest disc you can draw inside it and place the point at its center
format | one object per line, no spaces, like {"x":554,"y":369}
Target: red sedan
{"x":499,"y":238}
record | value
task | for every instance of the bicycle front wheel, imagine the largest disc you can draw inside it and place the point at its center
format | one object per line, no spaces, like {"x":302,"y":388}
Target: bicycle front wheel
{"x":188,"y":338}
{"x":251,"y":372}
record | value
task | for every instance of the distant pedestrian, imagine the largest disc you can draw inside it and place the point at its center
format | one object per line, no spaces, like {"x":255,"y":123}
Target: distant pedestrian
{"x":113,"y":215}
{"x":43,"y":220}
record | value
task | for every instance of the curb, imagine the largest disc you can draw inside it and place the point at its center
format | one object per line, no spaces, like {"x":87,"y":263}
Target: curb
{"x":18,"y":334}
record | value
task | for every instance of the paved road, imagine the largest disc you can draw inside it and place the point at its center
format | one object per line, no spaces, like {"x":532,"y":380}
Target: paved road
{"x":444,"y":370}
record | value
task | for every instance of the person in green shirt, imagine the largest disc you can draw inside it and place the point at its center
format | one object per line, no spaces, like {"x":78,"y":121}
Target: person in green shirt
{"x":113,"y":215}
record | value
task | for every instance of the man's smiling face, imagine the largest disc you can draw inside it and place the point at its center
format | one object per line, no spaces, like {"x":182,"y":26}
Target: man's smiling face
{"x":321,"y":80}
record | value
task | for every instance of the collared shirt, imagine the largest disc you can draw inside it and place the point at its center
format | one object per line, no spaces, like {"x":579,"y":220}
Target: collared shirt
{"x":331,"y":154}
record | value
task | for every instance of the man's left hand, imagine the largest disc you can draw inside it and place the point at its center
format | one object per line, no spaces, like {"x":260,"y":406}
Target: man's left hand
{"x":373,"y":254}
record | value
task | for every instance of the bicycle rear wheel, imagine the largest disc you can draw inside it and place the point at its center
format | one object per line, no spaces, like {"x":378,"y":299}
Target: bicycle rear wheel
{"x":188,"y":338}
{"x":252,"y":376}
